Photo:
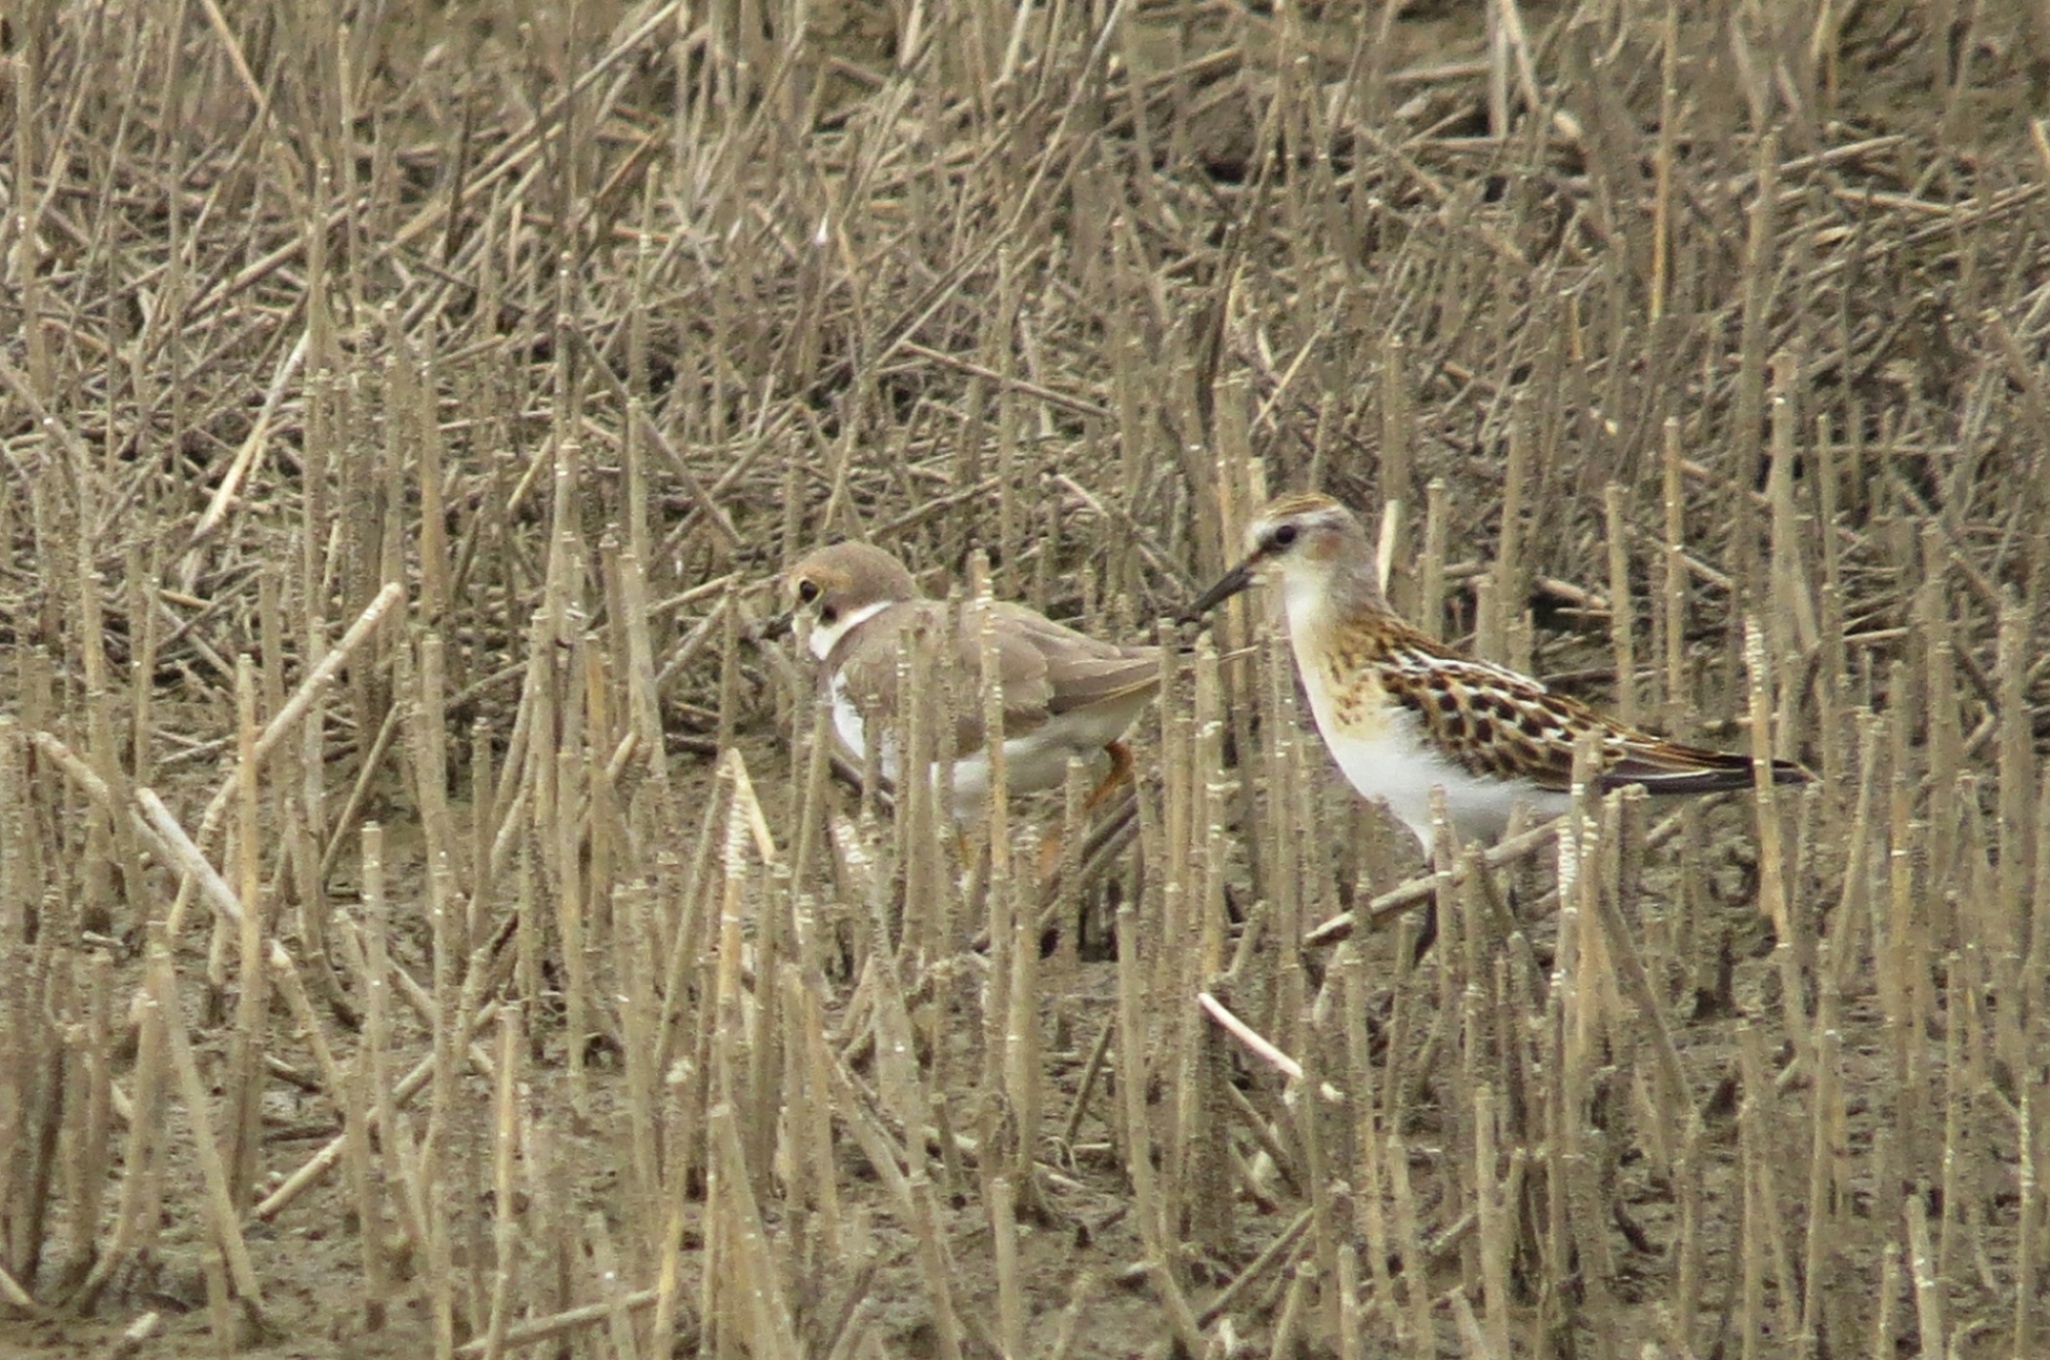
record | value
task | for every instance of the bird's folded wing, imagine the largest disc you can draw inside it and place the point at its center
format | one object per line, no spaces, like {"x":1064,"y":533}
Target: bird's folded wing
{"x":1489,"y":720}
{"x":1494,"y":721}
{"x":1076,"y":670}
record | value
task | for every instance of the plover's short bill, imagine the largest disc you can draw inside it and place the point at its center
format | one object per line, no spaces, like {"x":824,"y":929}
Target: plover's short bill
{"x":1065,"y":694}
{"x":1402,"y":714}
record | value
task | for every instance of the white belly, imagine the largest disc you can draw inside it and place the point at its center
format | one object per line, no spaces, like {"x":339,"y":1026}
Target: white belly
{"x":853,"y":735}
{"x":1394,"y":768}
{"x":1395,"y":764}
{"x":1033,"y":763}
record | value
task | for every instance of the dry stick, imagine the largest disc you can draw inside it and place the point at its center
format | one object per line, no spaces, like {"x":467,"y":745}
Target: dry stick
{"x":1954,"y":1158}
{"x":1414,"y":1331}
{"x":1092,"y":1069}
{"x":1495,"y":1235}
{"x":1510,"y":576}
{"x":349,"y":1105}
{"x":153,"y":821}
{"x":373,"y":1062}
{"x":1023,"y":1055}
{"x":244,"y":462}
{"x":1624,"y":954}
{"x":1674,"y":501}
{"x":14,"y":1296}
{"x":761,"y":1099}
{"x":605,"y":1262}
{"x":1351,"y":1321}
{"x":448,"y":925}
{"x":1261,"y":1048}
{"x":1567,"y":1022}
{"x":548,"y":1328}
{"x":1928,"y":1288}
{"x":1621,"y":632}
{"x":1420,"y":889}
{"x":1368,"y":1176}
{"x":2019,"y":855}
{"x":1687,"y":1172}
{"x":1276,"y":1251}
{"x":1317,"y":1180}
{"x":2028,"y":1222}
{"x":923,"y":930}
{"x":1792,"y":627}
{"x":1764,"y":1232}
{"x":245,"y":1092}
{"x":1193,"y":908}
{"x":1430,"y":613}
{"x":1900,"y":975}
{"x":1131,"y":1068}
{"x":280,"y":725}
{"x":370,"y":769}
{"x":702,"y":497}
{"x":1853,"y":909}
{"x":1398,"y":435}
{"x":572,"y":922}
{"x":813,"y":1121}
{"x":635,"y":954}
{"x":92,"y":1097}
{"x":1300,"y":1281}
{"x":643,"y":692}
{"x":1793,"y":944}
{"x":135,"y":1217}
{"x":218,"y":1200}
{"x":1003,"y":1222}
{"x":1826,"y":1140}
{"x":727,"y":1010}
{"x":757,"y":1278}
{"x":1883,"y":1343}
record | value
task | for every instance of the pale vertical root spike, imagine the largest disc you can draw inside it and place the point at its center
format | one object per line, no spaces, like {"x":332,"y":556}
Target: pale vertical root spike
{"x":244,"y":1113}
{"x":1622,"y":623}
{"x":218,"y":1200}
{"x":505,"y":1146}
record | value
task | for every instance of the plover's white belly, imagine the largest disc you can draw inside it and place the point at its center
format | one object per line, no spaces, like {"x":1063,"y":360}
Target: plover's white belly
{"x":853,"y":734}
{"x":1033,"y":763}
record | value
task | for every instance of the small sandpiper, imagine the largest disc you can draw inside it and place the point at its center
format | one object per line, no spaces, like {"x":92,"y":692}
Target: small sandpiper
{"x":1402,"y":714}
{"x":1065,"y":694}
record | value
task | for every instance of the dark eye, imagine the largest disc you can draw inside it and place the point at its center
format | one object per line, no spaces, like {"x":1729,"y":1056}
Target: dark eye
{"x":1283,"y":536}
{"x":807,"y":591}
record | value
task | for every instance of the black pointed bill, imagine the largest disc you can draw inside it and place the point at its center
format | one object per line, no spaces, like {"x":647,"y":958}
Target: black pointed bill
{"x":781,"y":624}
{"x":1228,"y":585}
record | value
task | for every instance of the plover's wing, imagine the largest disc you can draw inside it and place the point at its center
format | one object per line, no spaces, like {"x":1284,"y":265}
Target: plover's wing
{"x":1081,"y":671}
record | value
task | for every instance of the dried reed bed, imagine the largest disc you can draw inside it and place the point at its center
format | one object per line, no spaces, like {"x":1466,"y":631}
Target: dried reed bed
{"x":427,"y":916}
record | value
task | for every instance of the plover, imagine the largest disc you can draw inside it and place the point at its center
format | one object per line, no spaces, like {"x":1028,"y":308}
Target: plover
{"x":1065,"y":694}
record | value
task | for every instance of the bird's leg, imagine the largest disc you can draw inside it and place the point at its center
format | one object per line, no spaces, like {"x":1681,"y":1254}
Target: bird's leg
{"x":1427,"y":932}
{"x":1120,"y":771}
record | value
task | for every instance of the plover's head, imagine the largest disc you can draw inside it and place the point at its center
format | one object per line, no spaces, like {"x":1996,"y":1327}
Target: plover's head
{"x":835,"y":589}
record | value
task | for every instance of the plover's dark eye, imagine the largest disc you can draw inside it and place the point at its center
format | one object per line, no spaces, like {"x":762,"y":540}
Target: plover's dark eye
{"x":1283,"y":536}
{"x":807,"y":591}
